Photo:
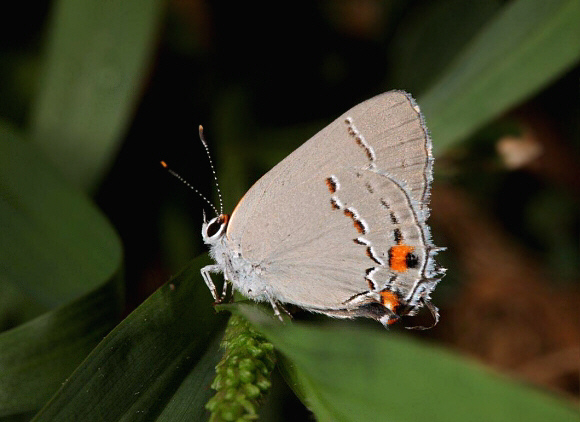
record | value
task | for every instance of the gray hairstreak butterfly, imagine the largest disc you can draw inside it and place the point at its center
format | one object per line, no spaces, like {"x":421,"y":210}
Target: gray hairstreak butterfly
{"x":339,"y":226}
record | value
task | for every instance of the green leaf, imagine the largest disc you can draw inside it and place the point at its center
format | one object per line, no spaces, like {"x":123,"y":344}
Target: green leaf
{"x":97,"y":57}
{"x":55,"y":247}
{"x":347,"y":373}
{"x":36,"y":357}
{"x":427,"y":40}
{"x":157,"y":364}
{"x":528,"y":45}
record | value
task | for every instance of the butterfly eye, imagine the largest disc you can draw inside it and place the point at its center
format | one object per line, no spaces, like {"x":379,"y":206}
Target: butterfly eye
{"x":213,"y":228}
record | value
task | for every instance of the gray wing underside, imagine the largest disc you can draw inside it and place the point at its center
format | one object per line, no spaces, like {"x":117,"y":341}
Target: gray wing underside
{"x":286,"y":223}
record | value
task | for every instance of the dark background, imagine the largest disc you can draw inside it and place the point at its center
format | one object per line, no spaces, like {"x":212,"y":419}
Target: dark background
{"x":263,"y":77}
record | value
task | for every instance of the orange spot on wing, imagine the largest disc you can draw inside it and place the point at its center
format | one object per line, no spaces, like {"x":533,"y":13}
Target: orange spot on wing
{"x":389,"y":300}
{"x":392,"y":321}
{"x":357,"y":224}
{"x":331,"y":185}
{"x":398,"y":257}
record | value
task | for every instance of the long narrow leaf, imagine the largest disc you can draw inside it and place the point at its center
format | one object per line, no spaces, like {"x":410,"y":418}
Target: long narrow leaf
{"x":353,"y":374}
{"x":158,"y":363}
{"x":54,"y":244}
{"x":55,"y":247}
{"x":37,"y":357}
{"x":97,"y":57}
{"x":528,"y":45}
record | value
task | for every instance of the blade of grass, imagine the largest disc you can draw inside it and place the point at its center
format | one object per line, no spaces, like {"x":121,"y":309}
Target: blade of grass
{"x":55,"y":247}
{"x":352,"y":374}
{"x":527,"y":46}
{"x":97,"y":58}
{"x":54,"y":244}
{"x":37,"y":357}
{"x":153,"y":365}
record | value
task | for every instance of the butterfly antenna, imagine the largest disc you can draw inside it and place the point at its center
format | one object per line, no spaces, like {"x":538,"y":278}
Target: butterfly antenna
{"x":202,"y":138}
{"x":189,"y":185}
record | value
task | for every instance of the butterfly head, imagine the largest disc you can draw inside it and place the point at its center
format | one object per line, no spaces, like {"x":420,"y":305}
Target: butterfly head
{"x":214,"y":229}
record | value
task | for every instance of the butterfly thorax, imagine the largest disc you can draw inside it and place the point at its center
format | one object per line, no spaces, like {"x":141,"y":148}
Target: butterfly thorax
{"x":244,"y":275}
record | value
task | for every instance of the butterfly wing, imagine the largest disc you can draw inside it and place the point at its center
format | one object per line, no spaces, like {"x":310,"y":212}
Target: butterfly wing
{"x":304,"y":242}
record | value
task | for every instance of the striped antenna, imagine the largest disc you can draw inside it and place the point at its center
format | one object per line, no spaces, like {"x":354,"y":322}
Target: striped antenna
{"x":186,"y":183}
{"x":202,"y":138}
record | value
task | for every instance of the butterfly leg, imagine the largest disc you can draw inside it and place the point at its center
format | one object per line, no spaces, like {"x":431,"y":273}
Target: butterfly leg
{"x":225,"y":290}
{"x":206,"y":274}
{"x":276,"y":307}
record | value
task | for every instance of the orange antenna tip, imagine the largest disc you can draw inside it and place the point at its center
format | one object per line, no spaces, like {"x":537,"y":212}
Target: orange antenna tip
{"x":164,"y":164}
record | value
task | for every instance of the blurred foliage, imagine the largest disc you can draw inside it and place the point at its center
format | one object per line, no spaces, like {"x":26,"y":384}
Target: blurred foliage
{"x":93,"y":94}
